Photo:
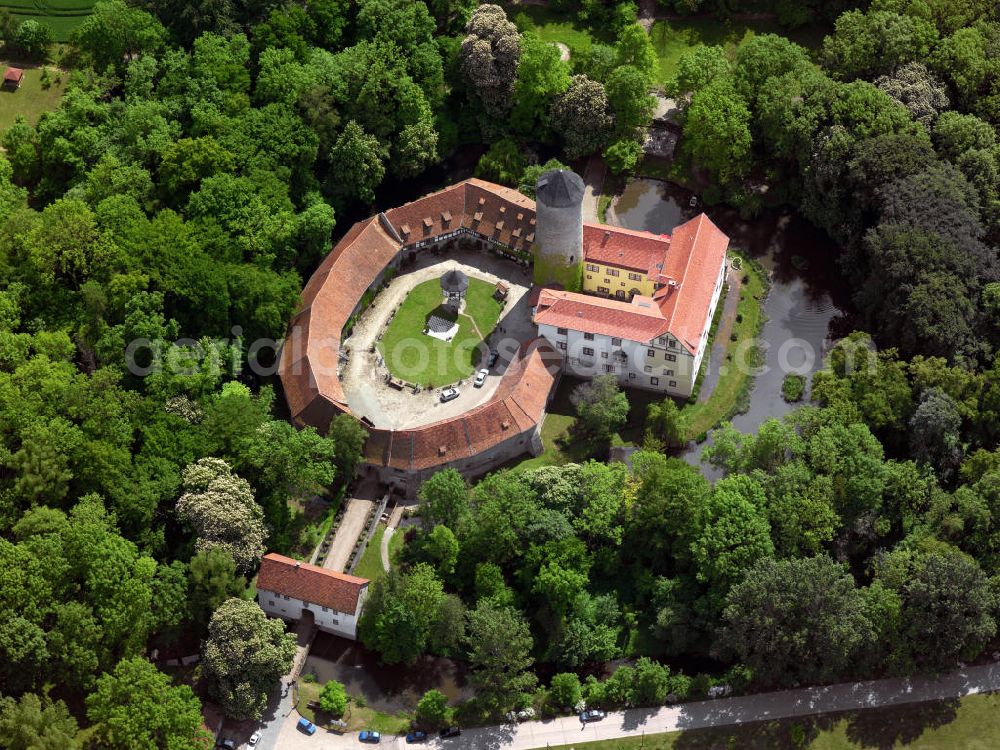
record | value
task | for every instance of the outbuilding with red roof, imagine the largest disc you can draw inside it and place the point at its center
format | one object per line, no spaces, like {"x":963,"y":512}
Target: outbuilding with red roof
{"x":287,"y":587}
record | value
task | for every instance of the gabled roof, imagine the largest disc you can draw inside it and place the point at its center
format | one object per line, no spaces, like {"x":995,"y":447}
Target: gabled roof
{"x":310,"y":583}
{"x":639,"y":320}
{"x":642,"y":252}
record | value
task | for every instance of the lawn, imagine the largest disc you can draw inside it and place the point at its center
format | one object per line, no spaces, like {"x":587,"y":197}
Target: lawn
{"x":554,"y":26}
{"x":970,"y":724}
{"x":31,"y":99}
{"x":370,"y":564}
{"x":357,"y":717}
{"x":672,"y":38}
{"x":417,"y":358}
{"x":61,"y":16}
{"x":734,"y":382}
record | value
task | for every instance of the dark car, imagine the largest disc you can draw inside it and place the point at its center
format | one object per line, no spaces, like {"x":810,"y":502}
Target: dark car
{"x":450,"y":732}
{"x":416,"y":736}
{"x":593,"y":714}
{"x":226,"y":744}
{"x":494,"y":356}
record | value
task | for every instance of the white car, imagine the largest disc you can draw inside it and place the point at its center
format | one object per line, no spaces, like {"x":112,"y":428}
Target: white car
{"x":448,"y":394}
{"x":481,"y":378}
{"x":254,"y":739}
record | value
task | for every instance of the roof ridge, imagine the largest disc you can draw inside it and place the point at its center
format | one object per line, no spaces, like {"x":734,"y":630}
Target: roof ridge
{"x":277,"y":557}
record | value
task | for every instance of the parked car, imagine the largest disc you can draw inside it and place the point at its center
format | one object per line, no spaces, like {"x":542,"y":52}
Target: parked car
{"x":592,"y":714}
{"x":481,"y":378}
{"x":494,"y":356}
{"x":306,"y":726}
{"x":254,"y":739}
{"x":449,"y":394}
{"x":372,"y":738}
{"x":416,"y":736}
{"x":226,"y":744}
{"x":450,"y":732}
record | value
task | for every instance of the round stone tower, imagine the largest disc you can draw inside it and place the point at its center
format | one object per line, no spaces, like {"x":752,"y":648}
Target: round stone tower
{"x":559,"y":229}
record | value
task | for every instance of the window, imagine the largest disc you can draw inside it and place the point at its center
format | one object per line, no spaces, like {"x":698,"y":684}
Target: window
{"x":662,"y":341}
{"x":604,"y":355}
{"x":588,"y":336}
{"x":588,"y":352}
{"x":673,"y":383}
{"x":654,"y":381}
{"x":621,"y":283}
{"x":631,"y":376}
{"x":325,"y":609}
{"x":603,"y":289}
{"x":270,"y":602}
{"x":607,"y":281}
{"x":306,"y":605}
{"x":612,"y":272}
{"x":647,"y":368}
{"x":671,"y":357}
{"x":635,"y":276}
{"x":668,"y":372}
{"x":651,"y":352}
{"x":561,"y":331}
{"x":620,"y":294}
{"x":593,"y":267}
{"x":286,"y":597}
{"x":609,"y":368}
{"x":616,"y":342}
{"x":673,"y":343}
{"x":335,"y":621}
{"x":589,"y":276}
{"x":562,"y":345}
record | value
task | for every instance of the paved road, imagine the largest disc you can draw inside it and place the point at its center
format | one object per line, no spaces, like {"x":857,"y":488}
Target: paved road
{"x":715,"y":713}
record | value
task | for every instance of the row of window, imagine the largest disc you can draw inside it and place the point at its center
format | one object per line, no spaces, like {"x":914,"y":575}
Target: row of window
{"x":666,"y":355}
{"x":612,"y":272}
{"x":305,"y":605}
{"x":618,"y":342}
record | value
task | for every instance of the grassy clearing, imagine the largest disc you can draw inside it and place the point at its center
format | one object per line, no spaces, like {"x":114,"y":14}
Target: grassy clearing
{"x":417,"y":358}
{"x":970,"y":724}
{"x":672,"y":38}
{"x":31,"y":100}
{"x":357,"y":717}
{"x":734,"y":382}
{"x":61,"y":16}
{"x":554,"y":26}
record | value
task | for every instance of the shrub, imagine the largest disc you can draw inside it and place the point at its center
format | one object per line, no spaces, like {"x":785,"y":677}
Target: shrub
{"x":432,"y":710}
{"x":793,"y":388}
{"x":333,"y":698}
{"x":565,"y":689}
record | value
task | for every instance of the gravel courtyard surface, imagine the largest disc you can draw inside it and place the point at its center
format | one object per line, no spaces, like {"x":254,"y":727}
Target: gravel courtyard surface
{"x":364,"y":376}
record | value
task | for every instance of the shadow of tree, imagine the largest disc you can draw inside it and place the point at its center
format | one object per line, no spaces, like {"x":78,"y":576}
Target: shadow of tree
{"x":791,"y":734}
{"x":888,"y":727}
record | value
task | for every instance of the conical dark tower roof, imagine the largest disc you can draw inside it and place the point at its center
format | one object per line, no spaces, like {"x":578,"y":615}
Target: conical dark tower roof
{"x":560,"y":188}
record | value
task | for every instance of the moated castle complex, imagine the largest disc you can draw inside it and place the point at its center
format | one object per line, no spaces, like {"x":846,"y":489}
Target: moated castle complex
{"x":604,"y":300}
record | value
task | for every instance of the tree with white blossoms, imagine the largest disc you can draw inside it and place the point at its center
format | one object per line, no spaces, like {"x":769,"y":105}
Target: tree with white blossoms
{"x":220,"y":507}
{"x":244,"y":657}
{"x":490,"y":55}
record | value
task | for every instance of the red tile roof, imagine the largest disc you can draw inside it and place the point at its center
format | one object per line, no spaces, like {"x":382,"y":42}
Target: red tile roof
{"x":638,"y":251}
{"x":638,"y":320}
{"x":696,"y":257}
{"x":310,"y":583}
{"x":12,"y":75}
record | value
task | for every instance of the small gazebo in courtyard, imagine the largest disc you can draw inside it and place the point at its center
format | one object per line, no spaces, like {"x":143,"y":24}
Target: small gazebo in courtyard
{"x":454,"y":284}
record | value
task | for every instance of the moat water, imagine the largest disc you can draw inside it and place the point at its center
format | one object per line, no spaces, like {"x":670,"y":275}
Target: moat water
{"x":805,"y":308}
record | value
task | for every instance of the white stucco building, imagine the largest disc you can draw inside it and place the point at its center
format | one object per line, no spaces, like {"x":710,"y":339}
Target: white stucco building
{"x":653,"y":332}
{"x":287,"y":588}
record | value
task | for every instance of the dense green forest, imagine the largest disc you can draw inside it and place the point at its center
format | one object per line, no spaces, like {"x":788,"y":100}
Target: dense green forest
{"x":192,"y":177}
